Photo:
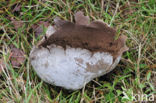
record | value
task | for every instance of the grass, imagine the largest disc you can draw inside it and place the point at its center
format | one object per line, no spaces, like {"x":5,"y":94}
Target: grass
{"x":135,"y":74}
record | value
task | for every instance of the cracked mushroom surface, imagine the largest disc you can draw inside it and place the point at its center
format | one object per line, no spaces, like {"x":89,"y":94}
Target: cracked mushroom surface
{"x":75,"y":53}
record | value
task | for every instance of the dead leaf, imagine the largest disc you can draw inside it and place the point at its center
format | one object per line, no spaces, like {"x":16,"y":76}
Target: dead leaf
{"x":17,"y":8}
{"x":17,"y":57}
{"x":127,"y":9}
{"x":17,"y":24}
{"x":38,"y":29}
{"x":44,"y":23}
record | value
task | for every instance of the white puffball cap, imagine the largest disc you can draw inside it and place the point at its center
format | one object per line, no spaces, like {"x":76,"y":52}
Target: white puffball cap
{"x":70,"y":68}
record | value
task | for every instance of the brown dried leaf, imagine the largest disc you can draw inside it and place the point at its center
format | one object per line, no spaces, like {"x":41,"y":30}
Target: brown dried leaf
{"x":38,"y":28}
{"x":17,"y":8}
{"x":17,"y":24}
{"x":17,"y":57}
{"x":38,"y":31}
{"x":44,"y":23}
{"x":126,"y":10}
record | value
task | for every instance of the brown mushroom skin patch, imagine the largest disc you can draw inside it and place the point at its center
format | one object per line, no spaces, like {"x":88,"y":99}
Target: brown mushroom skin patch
{"x":81,"y":19}
{"x":96,"y":38}
{"x":79,"y":60}
{"x":99,"y":66}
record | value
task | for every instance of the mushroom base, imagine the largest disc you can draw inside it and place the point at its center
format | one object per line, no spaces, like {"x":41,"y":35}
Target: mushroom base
{"x":70,"y":68}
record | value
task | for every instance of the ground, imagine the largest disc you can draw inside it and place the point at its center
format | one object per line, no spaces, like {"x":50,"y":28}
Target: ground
{"x":23,"y":23}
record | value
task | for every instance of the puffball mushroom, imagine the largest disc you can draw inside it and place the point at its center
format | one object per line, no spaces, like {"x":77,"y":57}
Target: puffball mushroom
{"x":76,"y":53}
